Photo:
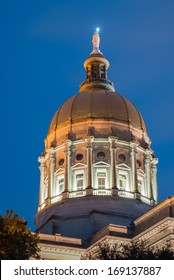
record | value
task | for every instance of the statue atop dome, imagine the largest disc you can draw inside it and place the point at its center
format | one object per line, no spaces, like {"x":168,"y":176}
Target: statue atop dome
{"x":96,"y":41}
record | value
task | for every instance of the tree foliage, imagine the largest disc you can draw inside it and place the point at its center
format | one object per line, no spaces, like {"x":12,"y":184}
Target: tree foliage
{"x":16,"y":240}
{"x":131,"y":251}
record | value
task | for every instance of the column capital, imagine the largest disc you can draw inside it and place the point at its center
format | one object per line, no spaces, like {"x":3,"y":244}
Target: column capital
{"x":41,"y":159}
{"x":67,"y":152}
{"x":73,"y":147}
{"x":112,"y":139}
{"x":52,"y":153}
{"x":133,"y":153}
{"x":89,"y":139}
{"x":68,"y":143}
{"x":133,"y":145}
{"x":52,"y":150}
{"x":148,"y":154}
{"x":154,"y":161}
{"x":89,"y":148}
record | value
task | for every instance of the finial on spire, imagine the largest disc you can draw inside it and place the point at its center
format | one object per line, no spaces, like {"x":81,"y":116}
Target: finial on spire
{"x":96,"y":41}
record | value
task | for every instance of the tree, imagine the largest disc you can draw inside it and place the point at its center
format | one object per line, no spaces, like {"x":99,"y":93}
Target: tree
{"x":132,"y":251}
{"x":16,"y":240}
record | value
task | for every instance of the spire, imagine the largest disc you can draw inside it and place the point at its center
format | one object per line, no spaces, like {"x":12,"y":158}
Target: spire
{"x":96,"y":41}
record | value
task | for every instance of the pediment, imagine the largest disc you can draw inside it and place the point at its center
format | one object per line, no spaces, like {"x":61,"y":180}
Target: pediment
{"x":141,"y":172}
{"x":123,"y":166}
{"x":59,"y":171}
{"x":101,"y":164}
{"x":79,"y":166}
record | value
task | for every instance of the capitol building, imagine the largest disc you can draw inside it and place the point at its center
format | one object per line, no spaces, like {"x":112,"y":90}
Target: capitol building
{"x":98,"y":173}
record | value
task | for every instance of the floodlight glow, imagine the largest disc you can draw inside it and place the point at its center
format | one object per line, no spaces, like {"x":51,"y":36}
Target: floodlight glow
{"x":97,"y":29}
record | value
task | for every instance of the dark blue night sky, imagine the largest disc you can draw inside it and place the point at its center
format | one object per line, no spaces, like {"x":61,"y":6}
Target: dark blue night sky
{"x":42,"y":50}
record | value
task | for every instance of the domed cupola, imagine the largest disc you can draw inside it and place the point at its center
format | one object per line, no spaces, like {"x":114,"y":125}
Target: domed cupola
{"x":97,"y":167}
{"x":96,"y":69}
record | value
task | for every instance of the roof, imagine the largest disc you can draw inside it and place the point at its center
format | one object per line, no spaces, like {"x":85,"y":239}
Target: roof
{"x":97,"y":105}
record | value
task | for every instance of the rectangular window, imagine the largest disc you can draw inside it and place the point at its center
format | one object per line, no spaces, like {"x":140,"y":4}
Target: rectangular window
{"x":79,"y":181}
{"x":140,"y":185}
{"x":103,"y":72}
{"x":61,"y":185}
{"x":94,"y":71}
{"x":101,"y":177}
{"x":122,"y":181}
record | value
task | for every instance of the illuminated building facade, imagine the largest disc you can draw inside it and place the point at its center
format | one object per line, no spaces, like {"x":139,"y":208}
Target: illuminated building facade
{"x":97,"y":172}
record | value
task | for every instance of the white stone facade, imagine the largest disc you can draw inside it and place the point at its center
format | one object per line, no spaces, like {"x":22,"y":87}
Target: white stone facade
{"x":107,"y":166}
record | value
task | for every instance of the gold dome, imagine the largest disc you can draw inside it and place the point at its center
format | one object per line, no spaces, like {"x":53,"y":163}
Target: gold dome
{"x":97,"y":105}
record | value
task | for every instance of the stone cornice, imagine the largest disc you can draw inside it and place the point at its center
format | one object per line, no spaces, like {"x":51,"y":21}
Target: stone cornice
{"x":167,"y":202}
{"x":156,"y":228}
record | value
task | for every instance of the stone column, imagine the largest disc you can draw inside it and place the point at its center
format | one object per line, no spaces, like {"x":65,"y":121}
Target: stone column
{"x":72,"y":172}
{"x":147,"y":172}
{"x":51,"y":177}
{"x":113,"y":180}
{"x":134,"y":171}
{"x":89,"y":141}
{"x":67,"y":169}
{"x":154,"y":179}
{"x":85,"y":178}
{"x":73,"y":182}
{"x":42,"y":175}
